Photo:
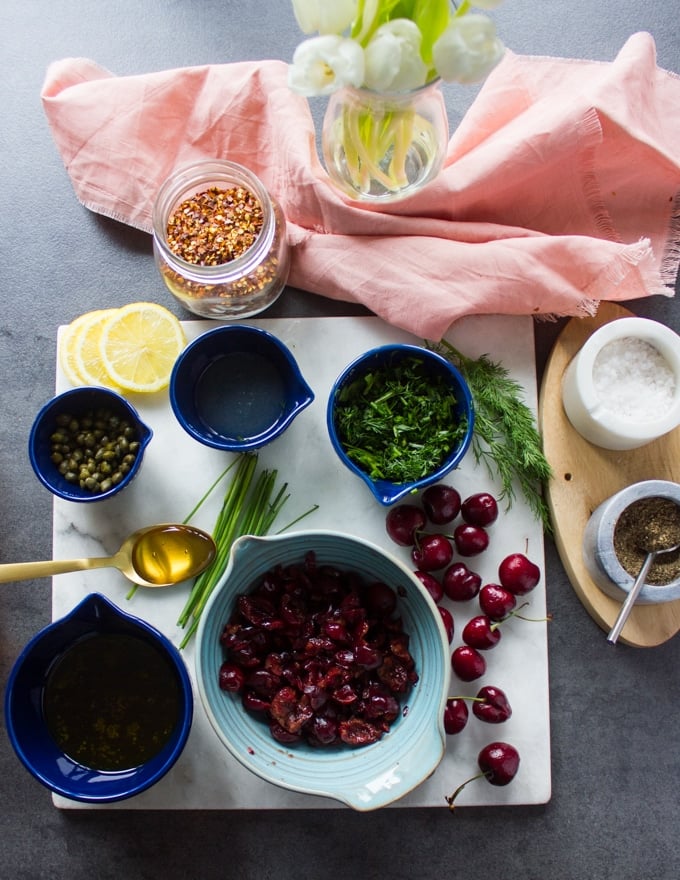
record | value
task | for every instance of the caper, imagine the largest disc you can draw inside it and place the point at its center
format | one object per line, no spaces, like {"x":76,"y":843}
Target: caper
{"x":96,"y":449}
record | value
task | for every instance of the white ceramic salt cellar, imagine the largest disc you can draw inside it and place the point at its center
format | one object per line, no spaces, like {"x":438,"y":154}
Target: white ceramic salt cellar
{"x":599,"y":554}
{"x":622,"y":389}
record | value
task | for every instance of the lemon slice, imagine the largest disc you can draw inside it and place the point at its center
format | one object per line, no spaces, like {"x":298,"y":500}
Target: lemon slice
{"x":139,"y":345}
{"x":67,"y":350}
{"x":85,"y":345}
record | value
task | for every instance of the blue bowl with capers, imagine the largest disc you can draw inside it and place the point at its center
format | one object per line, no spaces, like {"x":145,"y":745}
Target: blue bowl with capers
{"x":400,"y":417}
{"x":87,"y":444}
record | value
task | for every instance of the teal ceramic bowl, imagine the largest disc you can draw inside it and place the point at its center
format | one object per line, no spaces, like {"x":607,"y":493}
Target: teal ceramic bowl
{"x":365,"y":777}
{"x":385,"y":357}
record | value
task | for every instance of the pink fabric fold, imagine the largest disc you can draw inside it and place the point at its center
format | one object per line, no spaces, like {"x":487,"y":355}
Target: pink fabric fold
{"x":561,"y":185}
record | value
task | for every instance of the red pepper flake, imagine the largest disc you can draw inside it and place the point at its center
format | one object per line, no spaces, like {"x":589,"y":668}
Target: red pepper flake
{"x":215,"y":226}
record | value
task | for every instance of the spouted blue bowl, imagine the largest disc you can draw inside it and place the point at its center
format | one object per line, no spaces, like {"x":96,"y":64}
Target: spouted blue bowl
{"x":237,"y":388}
{"x":385,"y":357}
{"x":25,"y":716}
{"x":79,"y":402}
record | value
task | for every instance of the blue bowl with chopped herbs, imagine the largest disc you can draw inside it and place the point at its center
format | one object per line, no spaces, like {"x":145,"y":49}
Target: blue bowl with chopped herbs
{"x":400,"y":417}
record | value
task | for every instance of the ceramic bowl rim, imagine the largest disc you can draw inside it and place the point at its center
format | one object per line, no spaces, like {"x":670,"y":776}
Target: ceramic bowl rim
{"x":116,"y":785}
{"x":272,"y":761}
{"x":36,"y":439}
{"x":387,"y":492}
{"x":295,"y":381}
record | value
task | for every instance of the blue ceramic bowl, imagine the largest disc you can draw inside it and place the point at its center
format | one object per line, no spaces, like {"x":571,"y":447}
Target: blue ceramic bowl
{"x":237,"y":388}
{"x":366,"y":777}
{"x":385,"y":491}
{"x":25,"y":715}
{"x":77,"y":402}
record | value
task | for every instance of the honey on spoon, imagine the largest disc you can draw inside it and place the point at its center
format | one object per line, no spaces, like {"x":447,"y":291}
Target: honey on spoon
{"x":155,"y":556}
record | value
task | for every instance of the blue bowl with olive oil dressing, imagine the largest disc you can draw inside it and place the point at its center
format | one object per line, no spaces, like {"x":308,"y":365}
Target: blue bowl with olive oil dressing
{"x":237,"y":388}
{"x":99,"y":704}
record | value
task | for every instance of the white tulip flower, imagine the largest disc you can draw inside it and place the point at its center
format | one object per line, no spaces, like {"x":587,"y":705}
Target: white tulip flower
{"x":392,"y":58}
{"x":468,"y":49}
{"x":324,"y":16}
{"x":325,"y":63}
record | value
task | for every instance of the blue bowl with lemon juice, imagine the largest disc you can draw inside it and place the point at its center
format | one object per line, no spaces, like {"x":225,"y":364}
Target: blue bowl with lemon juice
{"x":237,"y":388}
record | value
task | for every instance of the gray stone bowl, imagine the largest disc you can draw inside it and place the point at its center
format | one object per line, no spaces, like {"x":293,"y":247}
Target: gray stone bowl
{"x":600,"y":557}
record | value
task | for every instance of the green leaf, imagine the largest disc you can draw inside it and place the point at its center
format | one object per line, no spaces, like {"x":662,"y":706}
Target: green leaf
{"x":432,"y":17}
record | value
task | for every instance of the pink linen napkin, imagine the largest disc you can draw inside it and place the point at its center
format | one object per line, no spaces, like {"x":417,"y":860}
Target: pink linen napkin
{"x":561,"y":185}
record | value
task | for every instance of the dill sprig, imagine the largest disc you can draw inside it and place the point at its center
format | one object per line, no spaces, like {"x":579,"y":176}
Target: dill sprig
{"x":505,"y":437}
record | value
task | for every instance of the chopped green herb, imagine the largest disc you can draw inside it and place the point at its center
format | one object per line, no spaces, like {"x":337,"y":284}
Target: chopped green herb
{"x":399,"y":422}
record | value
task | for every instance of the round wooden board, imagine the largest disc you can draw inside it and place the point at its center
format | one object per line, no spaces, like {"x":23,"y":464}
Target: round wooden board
{"x":585,"y":475}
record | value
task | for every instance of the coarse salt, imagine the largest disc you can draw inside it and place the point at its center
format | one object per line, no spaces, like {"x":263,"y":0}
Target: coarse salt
{"x":633,"y":380}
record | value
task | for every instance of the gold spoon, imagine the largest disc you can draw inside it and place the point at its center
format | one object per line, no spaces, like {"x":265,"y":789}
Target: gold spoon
{"x":631,"y":598}
{"x":156,"y":556}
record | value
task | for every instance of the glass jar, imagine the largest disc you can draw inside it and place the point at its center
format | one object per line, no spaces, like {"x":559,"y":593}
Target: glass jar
{"x":381,"y":147}
{"x":244,"y":266}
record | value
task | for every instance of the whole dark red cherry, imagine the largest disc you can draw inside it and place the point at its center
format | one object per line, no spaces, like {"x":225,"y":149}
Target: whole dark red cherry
{"x":431,"y":584}
{"x":231,"y":677}
{"x":468,"y":663}
{"x":455,"y":715}
{"x":496,"y":602}
{"x":480,"y":509}
{"x":460,"y":583}
{"x":403,"y":522}
{"x":518,"y":574}
{"x":491,"y":705}
{"x":441,"y":503}
{"x":470,"y":540}
{"x":432,"y":552}
{"x":481,"y":633}
{"x":447,"y":619}
{"x":498,"y":763}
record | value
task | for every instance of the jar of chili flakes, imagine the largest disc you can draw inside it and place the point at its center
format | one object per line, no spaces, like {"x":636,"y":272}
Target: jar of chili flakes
{"x":220,"y":240}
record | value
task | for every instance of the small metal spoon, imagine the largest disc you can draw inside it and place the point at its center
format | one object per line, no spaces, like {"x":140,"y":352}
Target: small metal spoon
{"x":631,"y":598}
{"x":156,"y":556}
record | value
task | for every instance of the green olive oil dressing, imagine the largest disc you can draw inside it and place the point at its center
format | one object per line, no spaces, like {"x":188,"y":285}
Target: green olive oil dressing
{"x":240,"y":395}
{"x":111,"y":702}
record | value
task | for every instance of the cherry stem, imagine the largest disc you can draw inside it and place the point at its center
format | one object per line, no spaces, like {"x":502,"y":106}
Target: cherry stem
{"x":470,"y":699}
{"x":519,"y":616}
{"x":451,"y":798}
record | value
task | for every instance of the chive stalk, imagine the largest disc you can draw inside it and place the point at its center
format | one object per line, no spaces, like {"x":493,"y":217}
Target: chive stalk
{"x":250,"y":507}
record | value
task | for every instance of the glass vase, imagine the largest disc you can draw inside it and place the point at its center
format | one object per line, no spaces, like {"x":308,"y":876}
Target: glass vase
{"x":381,"y":147}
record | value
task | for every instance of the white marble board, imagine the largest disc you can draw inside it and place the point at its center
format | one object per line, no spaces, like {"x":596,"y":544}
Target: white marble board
{"x":176,"y":472}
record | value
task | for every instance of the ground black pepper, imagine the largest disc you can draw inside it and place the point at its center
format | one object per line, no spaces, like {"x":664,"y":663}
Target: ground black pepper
{"x":649,"y":524}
